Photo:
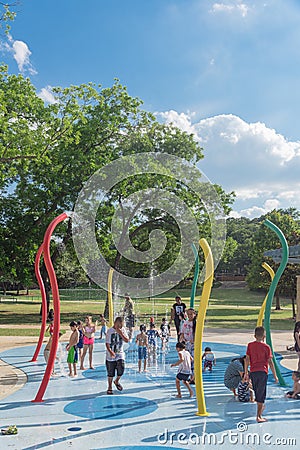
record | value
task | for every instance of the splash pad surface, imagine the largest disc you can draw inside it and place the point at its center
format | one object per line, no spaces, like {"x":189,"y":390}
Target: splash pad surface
{"x":77,"y":413}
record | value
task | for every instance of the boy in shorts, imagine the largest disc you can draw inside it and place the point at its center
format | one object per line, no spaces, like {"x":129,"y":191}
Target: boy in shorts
{"x":245,"y":391}
{"x":72,"y":358}
{"x":259,"y":356}
{"x":115,"y":356}
{"x":142,"y":342}
{"x":165,"y":332}
{"x":152,"y":342}
{"x":184,"y":369}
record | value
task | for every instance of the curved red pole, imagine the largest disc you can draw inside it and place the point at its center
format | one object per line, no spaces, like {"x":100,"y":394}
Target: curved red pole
{"x":44,"y":301}
{"x":56,"y":306}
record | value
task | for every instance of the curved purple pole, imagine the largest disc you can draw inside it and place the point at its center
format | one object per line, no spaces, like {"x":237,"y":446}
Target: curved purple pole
{"x":56,"y":306}
{"x":44,"y":301}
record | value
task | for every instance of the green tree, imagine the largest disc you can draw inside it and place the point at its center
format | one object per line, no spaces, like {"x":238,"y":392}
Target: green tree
{"x":264,"y":239}
{"x":240,"y":234}
{"x":49,"y":151}
{"x":7,"y":15}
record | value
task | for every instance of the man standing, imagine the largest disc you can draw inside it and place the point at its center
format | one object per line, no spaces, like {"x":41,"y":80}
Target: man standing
{"x":178,"y":307}
{"x":129,"y":315}
{"x":115,"y":356}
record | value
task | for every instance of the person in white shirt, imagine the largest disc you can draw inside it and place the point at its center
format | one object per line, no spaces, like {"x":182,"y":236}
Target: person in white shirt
{"x":115,"y":356}
{"x":184,"y":368}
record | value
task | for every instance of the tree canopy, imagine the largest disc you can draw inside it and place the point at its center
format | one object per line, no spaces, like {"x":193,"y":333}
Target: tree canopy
{"x":47,"y":153}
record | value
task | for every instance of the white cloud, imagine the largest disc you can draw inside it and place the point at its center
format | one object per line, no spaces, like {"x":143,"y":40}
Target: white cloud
{"x":256,"y":211}
{"x":235,"y":214}
{"x":250,"y":193}
{"x":231,"y":7}
{"x":21,"y":54}
{"x":47,"y":95}
{"x":234,"y":130}
{"x":227,"y":129}
{"x":255,"y":161}
{"x":271,"y":203}
{"x":180,"y":120}
{"x":289,"y":195}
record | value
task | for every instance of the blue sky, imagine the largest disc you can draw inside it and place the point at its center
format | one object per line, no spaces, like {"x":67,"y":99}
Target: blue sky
{"x":226,"y":70}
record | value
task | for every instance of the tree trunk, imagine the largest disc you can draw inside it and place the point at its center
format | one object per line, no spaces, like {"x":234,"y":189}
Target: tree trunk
{"x":277,"y":306}
{"x":44,"y":276}
{"x":294,"y":307}
{"x":106,"y":313}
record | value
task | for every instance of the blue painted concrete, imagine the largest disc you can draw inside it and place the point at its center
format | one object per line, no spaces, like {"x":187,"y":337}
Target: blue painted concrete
{"x":77,"y":413}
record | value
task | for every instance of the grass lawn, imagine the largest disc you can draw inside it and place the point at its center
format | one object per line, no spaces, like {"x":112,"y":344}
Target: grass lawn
{"x":228,"y":308}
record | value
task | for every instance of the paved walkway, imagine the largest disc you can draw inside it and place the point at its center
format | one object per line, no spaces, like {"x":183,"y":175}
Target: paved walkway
{"x":78,"y":414}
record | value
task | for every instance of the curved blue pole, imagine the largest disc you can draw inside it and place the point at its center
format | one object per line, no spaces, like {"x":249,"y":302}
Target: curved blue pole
{"x":284,"y":260}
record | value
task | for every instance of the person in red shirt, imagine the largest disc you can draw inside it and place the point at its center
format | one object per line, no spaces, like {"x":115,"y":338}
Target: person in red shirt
{"x":259,"y":357}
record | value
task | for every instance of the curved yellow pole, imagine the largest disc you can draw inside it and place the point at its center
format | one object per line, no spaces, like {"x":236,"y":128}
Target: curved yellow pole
{"x":209,"y":275}
{"x":110,"y":300}
{"x":263,"y":306}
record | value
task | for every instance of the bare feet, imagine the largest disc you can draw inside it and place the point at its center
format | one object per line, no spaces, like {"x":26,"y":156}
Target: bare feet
{"x":261,"y":419}
{"x":178,"y":396}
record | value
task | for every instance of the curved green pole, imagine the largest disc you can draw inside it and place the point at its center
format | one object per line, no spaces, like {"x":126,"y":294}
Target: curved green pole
{"x":196,"y":275}
{"x":263,"y":306}
{"x":284,"y":260}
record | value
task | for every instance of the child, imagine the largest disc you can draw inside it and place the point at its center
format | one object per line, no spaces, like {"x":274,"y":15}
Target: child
{"x":50,"y":317}
{"x":142,"y":341}
{"x":72,"y":349}
{"x":295,"y":393}
{"x":129,"y":316}
{"x":50,"y":327}
{"x":184,"y":369}
{"x":152,"y":341}
{"x":187,"y":335}
{"x":103,"y":323}
{"x":182,"y":319}
{"x":47,"y":350}
{"x":89,"y":330}
{"x":209,"y":359}
{"x":115,"y":356}
{"x":80,"y":340}
{"x":164,"y":333}
{"x":297,"y":342}
{"x":245,"y":391}
{"x":259,"y":356}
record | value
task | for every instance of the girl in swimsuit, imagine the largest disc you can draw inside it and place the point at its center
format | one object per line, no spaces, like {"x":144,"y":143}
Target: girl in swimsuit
{"x":88,"y":341}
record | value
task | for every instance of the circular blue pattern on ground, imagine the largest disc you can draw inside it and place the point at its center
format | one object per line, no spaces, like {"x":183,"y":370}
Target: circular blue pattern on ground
{"x":74,"y":429}
{"x":96,"y":374}
{"x":114,"y":407}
